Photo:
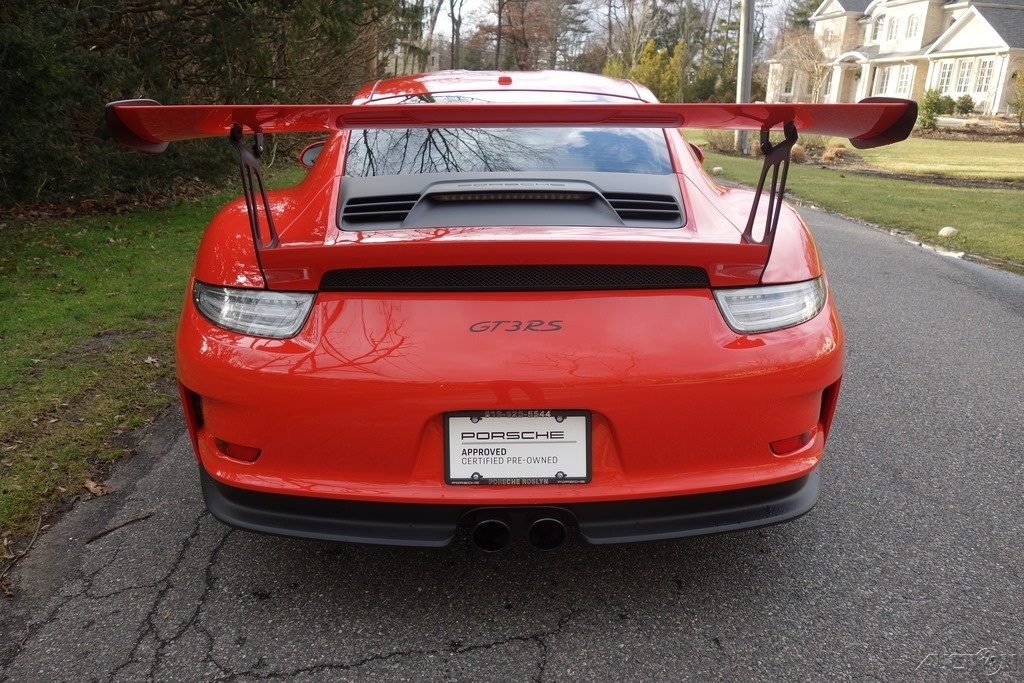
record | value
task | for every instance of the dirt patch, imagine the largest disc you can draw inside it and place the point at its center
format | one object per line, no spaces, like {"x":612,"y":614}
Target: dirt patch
{"x":972,"y":134}
{"x":856,"y":165}
{"x":104,"y":342}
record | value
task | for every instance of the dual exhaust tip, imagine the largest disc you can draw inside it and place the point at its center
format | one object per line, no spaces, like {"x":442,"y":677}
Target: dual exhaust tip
{"x":546,"y":533}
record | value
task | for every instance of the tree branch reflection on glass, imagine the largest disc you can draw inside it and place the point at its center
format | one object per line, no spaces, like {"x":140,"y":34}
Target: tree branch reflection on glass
{"x":510,"y":150}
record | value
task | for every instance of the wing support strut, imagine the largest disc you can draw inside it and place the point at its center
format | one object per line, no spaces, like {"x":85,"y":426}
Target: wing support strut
{"x":776,"y":160}
{"x":253,"y":188}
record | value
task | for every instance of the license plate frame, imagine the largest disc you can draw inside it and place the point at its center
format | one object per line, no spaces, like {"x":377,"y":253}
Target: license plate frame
{"x":571,"y":422}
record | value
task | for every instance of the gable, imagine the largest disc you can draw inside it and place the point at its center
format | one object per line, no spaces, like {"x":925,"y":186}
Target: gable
{"x":969,"y":32}
{"x":827,"y":7}
{"x":1008,"y":21}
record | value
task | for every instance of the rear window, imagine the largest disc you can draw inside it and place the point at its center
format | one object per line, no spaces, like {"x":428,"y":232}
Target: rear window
{"x":403,"y":151}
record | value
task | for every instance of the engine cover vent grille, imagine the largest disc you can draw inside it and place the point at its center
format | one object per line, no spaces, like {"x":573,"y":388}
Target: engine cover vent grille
{"x":644,"y":207}
{"x":511,"y":278}
{"x":380,"y":209}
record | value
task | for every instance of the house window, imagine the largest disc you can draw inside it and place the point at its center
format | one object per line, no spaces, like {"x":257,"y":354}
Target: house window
{"x":903,"y":85}
{"x":945,"y":76}
{"x":984,"y":75}
{"x":876,"y":30}
{"x":827,"y":88}
{"x":963,"y":75}
{"x":787,"y":87}
{"x":882,"y":80}
{"x":894,"y":29}
{"x":912,"y":26}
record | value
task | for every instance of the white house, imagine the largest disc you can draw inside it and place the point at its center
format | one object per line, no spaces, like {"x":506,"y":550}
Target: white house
{"x":900,"y":48}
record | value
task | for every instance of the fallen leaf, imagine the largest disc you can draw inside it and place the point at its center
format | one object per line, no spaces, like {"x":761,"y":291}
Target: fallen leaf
{"x":96,"y":489}
{"x":150,"y":360}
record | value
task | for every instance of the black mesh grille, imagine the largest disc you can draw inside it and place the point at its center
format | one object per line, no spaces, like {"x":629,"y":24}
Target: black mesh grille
{"x":513,"y":278}
{"x":644,"y":207}
{"x":390,"y":209}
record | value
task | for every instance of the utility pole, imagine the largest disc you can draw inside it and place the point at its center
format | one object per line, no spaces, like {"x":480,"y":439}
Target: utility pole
{"x":744,"y":64}
{"x":497,"y":44}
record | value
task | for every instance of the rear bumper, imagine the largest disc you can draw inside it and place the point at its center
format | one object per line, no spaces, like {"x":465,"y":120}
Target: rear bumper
{"x":680,"y":405}
{"x":420,"y":525}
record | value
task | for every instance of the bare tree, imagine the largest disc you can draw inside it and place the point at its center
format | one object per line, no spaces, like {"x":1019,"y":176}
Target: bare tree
{"x":804,"y":55}
{"x":634,"y":26}
{"x":455,"y":14}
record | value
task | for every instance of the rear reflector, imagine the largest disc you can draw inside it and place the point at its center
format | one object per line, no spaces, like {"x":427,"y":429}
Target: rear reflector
{"x":237,"y":452}
{"x":793,"y":443}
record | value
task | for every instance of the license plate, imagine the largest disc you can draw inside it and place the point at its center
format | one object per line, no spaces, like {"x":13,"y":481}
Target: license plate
{"x":517,"y":447}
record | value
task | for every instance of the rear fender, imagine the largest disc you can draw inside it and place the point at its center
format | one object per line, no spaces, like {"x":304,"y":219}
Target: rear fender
{"x":226,"y":254}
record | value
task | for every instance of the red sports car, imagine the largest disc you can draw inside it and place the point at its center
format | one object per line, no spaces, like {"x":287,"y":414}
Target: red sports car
{"x":513,"y":304}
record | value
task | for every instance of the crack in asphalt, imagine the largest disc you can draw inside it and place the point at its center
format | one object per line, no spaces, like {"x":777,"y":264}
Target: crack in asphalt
{"x":151,"y":632}
{"x":195,"y":618}
{"x":540,"y":638}
{"x":149,"y":619}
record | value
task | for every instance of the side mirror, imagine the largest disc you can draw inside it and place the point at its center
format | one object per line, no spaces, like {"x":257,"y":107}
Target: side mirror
{"x":309,"y":154}
{"x":697,"y":151}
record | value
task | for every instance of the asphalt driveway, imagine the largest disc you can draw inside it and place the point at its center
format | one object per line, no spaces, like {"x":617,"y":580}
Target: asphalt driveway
{"x":909,"y":567}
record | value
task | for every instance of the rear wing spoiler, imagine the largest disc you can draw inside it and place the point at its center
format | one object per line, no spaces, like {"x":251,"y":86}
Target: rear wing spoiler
{"x":148,"y":126}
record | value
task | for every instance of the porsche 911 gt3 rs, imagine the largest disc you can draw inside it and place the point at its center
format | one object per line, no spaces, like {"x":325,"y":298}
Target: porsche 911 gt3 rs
{"x":512,"y":304}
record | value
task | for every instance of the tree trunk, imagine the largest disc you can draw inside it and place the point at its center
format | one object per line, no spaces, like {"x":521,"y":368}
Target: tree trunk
{"x":608,"y":44}
{"x":428,"y":38}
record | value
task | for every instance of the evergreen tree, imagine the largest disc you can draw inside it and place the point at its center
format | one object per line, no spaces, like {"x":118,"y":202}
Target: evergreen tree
{"x":798,"y":12}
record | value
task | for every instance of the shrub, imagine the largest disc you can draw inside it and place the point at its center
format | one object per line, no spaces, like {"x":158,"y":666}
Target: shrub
{"x":721,"y":140}
{"x":815,"y":143}
{"x":798,"y":155}
{"x":928,"y":110}
{"x":1017,"y":99}
{"x":833,"y":153}
{"x":964,"y":105}
{"x":947,"y":105}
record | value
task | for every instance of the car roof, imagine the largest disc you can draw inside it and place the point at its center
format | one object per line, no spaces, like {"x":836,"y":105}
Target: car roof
{"x":535,"y":81}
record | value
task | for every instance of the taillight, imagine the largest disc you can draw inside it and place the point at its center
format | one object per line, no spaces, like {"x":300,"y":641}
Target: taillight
{"x":256,"y":312}
{"x":749,"y":310}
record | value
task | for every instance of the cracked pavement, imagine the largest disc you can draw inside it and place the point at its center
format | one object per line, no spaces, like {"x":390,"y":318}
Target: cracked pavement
{"x":912,"y":557}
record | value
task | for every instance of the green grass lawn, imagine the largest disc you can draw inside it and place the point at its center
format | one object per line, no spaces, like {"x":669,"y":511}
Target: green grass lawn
{"x":950,"y":158}
{"x":88,"y":308}
{"x":945,"y":158}
{"x":990,"y":221}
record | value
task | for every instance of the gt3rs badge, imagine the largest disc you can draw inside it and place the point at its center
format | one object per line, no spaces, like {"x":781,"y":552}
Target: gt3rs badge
{"x":516,"y":326}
